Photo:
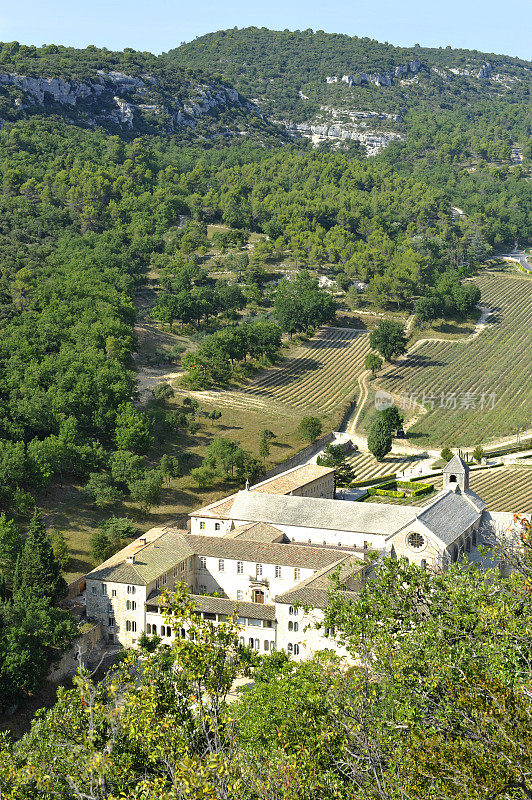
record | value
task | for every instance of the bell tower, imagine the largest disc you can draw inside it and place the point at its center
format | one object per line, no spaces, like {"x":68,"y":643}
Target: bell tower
{"x":456,"y":474}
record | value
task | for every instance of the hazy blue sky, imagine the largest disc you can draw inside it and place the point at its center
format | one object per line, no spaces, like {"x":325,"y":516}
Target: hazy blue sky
{"x":158,"y":25}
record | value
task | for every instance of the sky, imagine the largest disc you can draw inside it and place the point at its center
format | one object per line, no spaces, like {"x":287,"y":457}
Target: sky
{"x":159,"y":25}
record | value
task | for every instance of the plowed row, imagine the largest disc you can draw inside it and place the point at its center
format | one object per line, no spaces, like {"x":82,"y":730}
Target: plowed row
{"x":320,"y":376}
{"x":496,"y":363}
{"x":366,"y":466}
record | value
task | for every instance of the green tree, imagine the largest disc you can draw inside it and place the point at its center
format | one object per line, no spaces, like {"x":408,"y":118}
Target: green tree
{"x":373,"y":362}
{"x":478,"y":453}
{"x":446,"y":454}
{"x":389,"y":339}
{"x":101,"y":489}
{"x":147,"y":490}
{"x":38,"y":569}
{"x":309,"y":428}
{"x":60,"y":548}
{"x":10,"y":547}
{"x":132,"y":431}
{"x":379,"y":438}
{"x":264,"y":445}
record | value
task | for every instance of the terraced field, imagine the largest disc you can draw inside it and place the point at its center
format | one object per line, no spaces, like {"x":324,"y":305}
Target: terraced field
{"x":502,"y":488}
{"x":319,"y":376}
{"x":366,"y":466}
{"x":478,"y":390}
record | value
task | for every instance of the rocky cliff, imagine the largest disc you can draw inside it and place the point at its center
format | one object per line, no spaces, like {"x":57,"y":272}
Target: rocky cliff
{"x":129,"y":103}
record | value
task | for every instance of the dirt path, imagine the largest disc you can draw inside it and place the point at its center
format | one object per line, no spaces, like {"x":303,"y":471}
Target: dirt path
{"x":149,"y":377}
{"x":482,"y":323}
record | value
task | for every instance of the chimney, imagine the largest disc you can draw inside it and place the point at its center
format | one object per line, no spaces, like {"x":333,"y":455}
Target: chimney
{"x":247,"y":485}
{"x":143,"y":540}
{"x":130,"y":559}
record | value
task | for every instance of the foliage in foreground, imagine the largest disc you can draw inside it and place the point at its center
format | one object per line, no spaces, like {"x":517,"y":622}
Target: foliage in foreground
{"x":438,"y":706}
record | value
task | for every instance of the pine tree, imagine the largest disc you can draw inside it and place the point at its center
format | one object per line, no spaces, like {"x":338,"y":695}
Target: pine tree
{"x":38,"y":568}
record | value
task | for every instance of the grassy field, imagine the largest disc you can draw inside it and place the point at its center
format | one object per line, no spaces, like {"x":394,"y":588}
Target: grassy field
{"x":487,"y":375}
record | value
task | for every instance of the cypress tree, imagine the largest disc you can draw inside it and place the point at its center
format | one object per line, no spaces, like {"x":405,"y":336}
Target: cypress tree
{"x":38,"y":568}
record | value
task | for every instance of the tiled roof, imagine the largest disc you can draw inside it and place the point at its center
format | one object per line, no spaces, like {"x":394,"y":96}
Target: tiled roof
{"x":455,"y":465}
{"x":149,"y":560}
{"x":449,"y":516}
{"x":257,"y":532}
{"x":314,"y":512}
{"x":314,"y":591}
{"x":222,"y":605}
{"x":293,"y":479}
{"x":284,"y":555}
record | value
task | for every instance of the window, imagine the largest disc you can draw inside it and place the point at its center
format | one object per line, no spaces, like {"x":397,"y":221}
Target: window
{"x":256,"y":623}
{"x":277,"y":572}
{"x":297,"y":574}
{"x":272,"y":645}
{"x":293,"y":626}
{"x":202,"y":587}
{"x":424,"y":563}
{"x":93,"y":590}
{"x":148,"y":629}
{"x":266,"y":645}
{"x":202,"y":526}
{"x":217,"y":526}
{"x":415,"y":540}
{"x":239,"y":567}
{"x":242,"y":641}
{"x":175,"y":572}
{"x":113,"y":592}
{"x":251,"y":641}
{"x":330,"y":631}
{"x":290,"y":626}
{"x":257,"y":644}
{"x":267,"y":623}
{"x":296,"y":649}
{"x":182,"y":567}
{"x":221,"y":565}
{"x":258,"y":570}
{"x":128,"y":625}
{"x":203,"y":562}
{"x":157,"y":583}
{"x":128,"y":605}
{"x":131,"y":590}
{"x":290,"y":647}
{"x":240,"y":594}
{"x":104,"y":588}
{"x":292,"y":610}
{"x":111,"y":622}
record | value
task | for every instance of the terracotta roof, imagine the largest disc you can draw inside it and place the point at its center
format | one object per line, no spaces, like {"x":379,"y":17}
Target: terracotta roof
{"x":293,"y":479}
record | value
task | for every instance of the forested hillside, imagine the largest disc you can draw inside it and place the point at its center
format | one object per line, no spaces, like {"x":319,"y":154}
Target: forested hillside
{"x":127,"y":93}
{"x":133,"y":184}
{"x":335,"y":80}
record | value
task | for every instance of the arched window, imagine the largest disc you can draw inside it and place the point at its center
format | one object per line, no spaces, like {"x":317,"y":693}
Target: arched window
{"x":266,"y":645}
{"x":251,"y":641}
{"x":148,"y":628}
{"x":424,"y":563}
{"x":242,"y":641}
{"x":290,"y":626}
{"x":453,"y":479}
{"x":296,"y":627}
{"x":257,"y":596}
{"x":474,"y":538}
{"x":296,"y":649}
{"x":257,"y":644}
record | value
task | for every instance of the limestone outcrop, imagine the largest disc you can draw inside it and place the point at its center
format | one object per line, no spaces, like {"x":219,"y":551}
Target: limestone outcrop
{"x":125,"y":101}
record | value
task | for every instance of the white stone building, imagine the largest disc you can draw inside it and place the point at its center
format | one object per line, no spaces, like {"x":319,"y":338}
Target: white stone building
{"x":270,"y":557}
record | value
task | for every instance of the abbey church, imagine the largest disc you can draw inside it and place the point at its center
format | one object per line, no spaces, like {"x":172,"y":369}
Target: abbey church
{"x":268,"y":554}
